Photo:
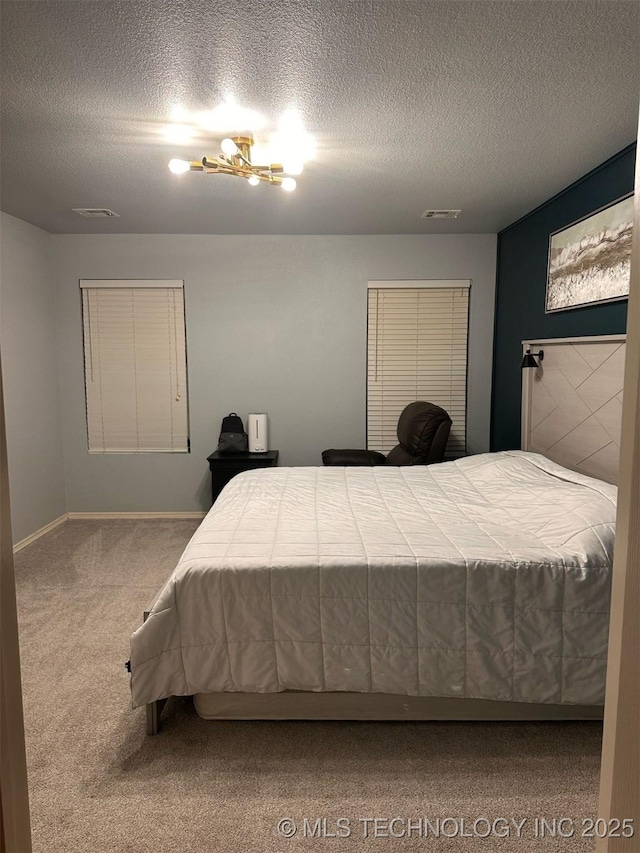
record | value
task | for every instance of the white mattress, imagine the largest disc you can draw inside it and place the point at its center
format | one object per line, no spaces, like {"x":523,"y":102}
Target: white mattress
{"x":484,"y":578}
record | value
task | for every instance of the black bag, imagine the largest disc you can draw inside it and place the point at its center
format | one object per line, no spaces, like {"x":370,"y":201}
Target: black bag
{"x":233,"y":438}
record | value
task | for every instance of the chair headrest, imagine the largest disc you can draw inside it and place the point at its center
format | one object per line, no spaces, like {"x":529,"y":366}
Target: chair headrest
{"x":418,"y":425}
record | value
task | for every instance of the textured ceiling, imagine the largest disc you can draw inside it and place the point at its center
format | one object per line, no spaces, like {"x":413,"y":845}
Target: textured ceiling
{"x":491,"y":107}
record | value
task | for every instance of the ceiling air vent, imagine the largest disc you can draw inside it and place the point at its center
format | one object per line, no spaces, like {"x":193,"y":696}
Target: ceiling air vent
{"x":441,"y":214}
{"x":94,"y":212}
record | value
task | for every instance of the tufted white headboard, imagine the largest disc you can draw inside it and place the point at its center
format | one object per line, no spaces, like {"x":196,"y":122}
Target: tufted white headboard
{"x":572,"y":403}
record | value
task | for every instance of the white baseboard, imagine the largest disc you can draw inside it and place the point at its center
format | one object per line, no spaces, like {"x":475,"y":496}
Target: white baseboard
{"x":32,"y":538}
{"x":132,"y":516}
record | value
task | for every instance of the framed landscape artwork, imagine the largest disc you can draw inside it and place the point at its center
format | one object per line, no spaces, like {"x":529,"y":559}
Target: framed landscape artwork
{"x":590,"y":260}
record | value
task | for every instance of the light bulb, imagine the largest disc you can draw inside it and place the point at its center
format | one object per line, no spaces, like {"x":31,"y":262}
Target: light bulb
{"x":229,"y":147}
{"x":179,"y":166}
{"x":254,"y":180}
{"x":288,"y":184}
{"x":293,"y":167}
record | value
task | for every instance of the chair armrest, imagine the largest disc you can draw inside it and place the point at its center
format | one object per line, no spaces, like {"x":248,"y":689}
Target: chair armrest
{"x":352,"y":457}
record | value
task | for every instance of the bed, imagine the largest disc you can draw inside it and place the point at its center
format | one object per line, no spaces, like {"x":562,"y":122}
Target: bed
{"x":477,"y":588}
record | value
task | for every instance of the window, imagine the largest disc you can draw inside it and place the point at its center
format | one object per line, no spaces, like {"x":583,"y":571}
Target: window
{"x":416,"y":350}
{"x":135,"y":366}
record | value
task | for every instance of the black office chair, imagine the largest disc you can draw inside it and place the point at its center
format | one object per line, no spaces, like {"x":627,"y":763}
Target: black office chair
{"x":423,"y":432}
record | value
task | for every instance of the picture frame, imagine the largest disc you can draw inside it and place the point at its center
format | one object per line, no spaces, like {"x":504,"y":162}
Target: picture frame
{"x":590,"y":260}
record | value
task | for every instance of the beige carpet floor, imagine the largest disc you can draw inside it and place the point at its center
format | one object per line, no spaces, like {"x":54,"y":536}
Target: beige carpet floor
{"x":98,"y":783}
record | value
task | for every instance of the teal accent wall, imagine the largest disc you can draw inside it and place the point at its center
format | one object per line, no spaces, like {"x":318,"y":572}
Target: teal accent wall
{"x":521,"y":284}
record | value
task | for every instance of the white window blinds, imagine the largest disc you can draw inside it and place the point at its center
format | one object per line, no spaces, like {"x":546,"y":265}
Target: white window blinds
{"x":417,"y":350}
{"x":135,"y":366}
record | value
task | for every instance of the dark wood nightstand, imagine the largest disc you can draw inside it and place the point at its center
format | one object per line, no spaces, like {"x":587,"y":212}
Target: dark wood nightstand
{"x":224,"y":466}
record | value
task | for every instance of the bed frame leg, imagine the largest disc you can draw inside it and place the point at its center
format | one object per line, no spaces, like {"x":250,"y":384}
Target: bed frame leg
{"x":154,"y":712}
{"x":153,"y":718}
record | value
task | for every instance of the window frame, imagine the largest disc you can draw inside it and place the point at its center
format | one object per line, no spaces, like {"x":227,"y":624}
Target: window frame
{"x":408,"y":284}
{"x":130,"y":284}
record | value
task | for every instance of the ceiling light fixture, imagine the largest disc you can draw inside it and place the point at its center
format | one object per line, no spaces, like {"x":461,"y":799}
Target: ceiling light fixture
{"x":235,"y":159}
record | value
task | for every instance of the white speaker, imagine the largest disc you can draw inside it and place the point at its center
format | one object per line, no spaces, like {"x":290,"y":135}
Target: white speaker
{"x":258,"y":432}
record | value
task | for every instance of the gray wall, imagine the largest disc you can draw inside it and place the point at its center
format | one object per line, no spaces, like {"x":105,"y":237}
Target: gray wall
{"x":31,"y":396}
{"x":275,"y":324}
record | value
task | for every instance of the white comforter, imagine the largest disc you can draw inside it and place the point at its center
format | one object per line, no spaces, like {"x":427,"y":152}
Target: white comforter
{"x":487,"y":577}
